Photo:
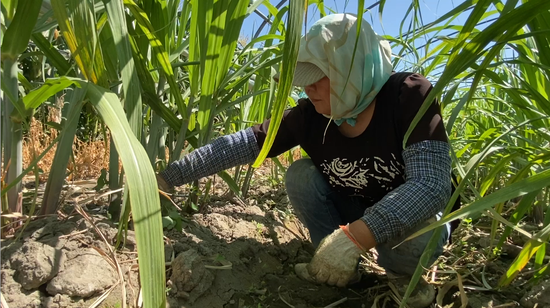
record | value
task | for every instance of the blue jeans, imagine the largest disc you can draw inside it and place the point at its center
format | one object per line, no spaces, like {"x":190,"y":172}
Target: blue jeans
{"x":322,"y":210}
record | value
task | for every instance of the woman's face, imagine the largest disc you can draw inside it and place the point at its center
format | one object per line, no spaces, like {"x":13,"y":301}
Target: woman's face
{"x":319,"y":94}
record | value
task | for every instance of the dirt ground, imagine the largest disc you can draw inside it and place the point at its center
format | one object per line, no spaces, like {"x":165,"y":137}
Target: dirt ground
{"x":233,"y":253}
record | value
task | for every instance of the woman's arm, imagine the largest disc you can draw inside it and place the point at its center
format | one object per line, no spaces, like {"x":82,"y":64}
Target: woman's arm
{"x":223,"y":153}
{"x":427,"y":160}
{"x":425,"y":193}
{"x":240,"y":148}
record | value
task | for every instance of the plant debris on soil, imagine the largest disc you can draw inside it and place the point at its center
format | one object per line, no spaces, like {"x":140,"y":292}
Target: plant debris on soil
{"x":233,"y":253}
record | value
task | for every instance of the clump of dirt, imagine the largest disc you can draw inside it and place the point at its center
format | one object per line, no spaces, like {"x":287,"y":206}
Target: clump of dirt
{"x":250,"y":251}
{"x":64,"y":263}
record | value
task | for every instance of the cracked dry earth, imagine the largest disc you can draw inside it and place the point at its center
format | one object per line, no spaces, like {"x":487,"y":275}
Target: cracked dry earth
{"x":233,"y":254}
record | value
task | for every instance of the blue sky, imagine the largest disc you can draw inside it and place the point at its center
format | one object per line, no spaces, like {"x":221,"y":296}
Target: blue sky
{"x":394,"y":11}
{"x":389,"y":24}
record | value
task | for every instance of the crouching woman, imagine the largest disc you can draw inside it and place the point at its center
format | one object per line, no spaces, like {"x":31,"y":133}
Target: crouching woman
{"x":359,"y":189}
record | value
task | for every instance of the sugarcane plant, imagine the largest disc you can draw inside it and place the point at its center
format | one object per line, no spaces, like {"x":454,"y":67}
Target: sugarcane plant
{"x":491,"y":76}
{"x":153,"y":60}
{"x":167,"y":76}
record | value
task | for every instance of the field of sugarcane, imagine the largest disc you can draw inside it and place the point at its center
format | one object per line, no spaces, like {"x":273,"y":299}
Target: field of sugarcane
{"x":97,"y":96}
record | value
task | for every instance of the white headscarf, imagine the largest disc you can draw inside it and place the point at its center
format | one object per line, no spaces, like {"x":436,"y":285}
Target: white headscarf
{"x":329,"y":45}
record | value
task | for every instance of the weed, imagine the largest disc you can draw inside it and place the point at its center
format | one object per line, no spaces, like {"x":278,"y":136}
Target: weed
{"x":259,"y":228}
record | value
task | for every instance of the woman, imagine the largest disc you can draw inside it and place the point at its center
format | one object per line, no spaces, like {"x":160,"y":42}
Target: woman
{"x":360,"y":189}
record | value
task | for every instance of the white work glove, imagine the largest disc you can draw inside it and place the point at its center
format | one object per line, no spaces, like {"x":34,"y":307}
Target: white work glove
{"x":334,"y":263}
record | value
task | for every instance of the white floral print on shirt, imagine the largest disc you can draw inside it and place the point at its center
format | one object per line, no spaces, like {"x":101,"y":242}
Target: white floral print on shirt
{"x":357,"y":174}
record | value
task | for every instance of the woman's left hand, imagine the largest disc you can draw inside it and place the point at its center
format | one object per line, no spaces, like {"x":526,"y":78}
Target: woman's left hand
{"x":334,"y":263}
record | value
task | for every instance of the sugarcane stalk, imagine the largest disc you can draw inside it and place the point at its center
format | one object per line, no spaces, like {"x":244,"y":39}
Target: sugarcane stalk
{"x":13,"y":136}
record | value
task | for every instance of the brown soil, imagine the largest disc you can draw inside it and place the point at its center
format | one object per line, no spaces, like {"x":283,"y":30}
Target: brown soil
{"x":232,"y":254}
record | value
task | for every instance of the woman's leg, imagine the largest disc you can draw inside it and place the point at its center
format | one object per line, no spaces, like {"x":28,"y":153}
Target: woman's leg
{"x":403,"y":259}
{"x":400,"y":262}
{"x":311,"y":197}
{"x":322,"y":210}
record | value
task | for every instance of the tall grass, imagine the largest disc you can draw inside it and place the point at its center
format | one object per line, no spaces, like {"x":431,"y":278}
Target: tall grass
{"x":172,"y":67}
{"x":493,"y":84}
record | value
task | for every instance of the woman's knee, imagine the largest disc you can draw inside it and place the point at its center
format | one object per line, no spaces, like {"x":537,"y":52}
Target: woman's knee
{"x":308,"y":193}
{"x":404,"y":258}
{"x":300,"y":166}
{"x":302,"y":175}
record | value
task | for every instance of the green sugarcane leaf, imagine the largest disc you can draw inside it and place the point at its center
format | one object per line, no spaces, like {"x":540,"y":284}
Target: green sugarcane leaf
{"x":529,"y":249}
{"x":64,"y":150}
{"x":130,"y":80}
{"x":16,"y":38}
{"x":51,"y":87}
{"x":541,"y":273}
{"x":230,"y":182}
{"x":288,"y":65}
{"x":143,"y":190}
{"x":140,"y":178}
{"x":9,"y":6}
{"x":159,"y":51}
{"x":149,"y":95}
{"x":474,"y":17}
{"x":54,"y":56}
{"x":78,"y":29}
{"x":24,"y":82}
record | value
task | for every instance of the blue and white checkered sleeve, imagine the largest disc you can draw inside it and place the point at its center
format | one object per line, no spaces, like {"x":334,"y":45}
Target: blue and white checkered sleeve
{"x":425,"y":193}
{"x":223,"y":153}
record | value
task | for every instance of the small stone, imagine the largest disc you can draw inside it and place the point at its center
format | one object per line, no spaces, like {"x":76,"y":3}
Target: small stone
{"x":108,"y":231}
{"x":58,"y":301}
{"x":205,"y":250}
{"x":85,"y":275}
{"x":35,"y":264}
{"x":34,"y":299}
{"x":190,"y":279}
{"x":131,"y":238}
{"x":31,"y":299}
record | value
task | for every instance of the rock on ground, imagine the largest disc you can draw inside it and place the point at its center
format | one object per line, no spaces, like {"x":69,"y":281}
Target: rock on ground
{"x":61,"y":301}
{"x":54,"y":256}
{"x":189,"y":279}
{"x":15,"y":296}
{"x":36,"y":263}
{"x":84,"y":275}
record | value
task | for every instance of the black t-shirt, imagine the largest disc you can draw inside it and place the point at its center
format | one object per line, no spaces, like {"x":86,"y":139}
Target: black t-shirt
{"x":369,"y":165}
